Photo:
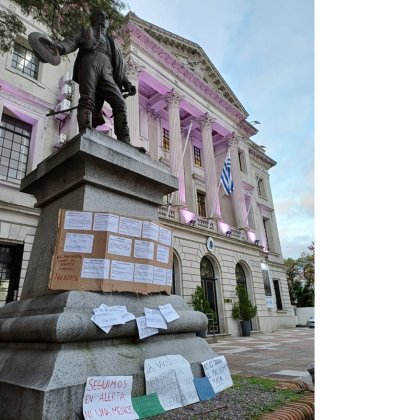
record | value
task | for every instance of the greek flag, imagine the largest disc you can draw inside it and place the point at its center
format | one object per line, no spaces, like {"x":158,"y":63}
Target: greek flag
{"x":226,"y":176}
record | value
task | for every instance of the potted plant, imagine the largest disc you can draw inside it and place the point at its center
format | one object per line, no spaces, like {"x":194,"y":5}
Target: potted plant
{"x":244,"y":310}
{"x":200,"y":303}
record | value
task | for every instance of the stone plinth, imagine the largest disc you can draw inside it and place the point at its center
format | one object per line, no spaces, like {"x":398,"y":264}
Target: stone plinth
{"x":48,"y":344}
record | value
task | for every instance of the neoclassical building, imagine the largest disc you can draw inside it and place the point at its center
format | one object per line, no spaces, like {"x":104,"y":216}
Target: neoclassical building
{"x":185,"y":116}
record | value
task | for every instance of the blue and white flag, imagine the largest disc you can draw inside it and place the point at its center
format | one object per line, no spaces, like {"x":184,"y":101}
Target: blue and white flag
{"x":226,"y":175}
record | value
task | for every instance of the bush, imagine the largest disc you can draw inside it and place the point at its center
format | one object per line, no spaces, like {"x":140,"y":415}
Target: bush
{"x":243,"y":309}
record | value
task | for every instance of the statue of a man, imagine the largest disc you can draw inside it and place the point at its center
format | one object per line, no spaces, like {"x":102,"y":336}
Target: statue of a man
{"x":101,"y":73}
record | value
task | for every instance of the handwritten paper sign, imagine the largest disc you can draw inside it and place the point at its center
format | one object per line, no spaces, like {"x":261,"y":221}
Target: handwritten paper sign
{"x":171,"y":378}
{"x":154,"y":319}
{"x":143,"y":330}
{"x":217,"y":372}
{"x":168,"y":312}
{"x":108,"y":397}
{"x":147,"y":406}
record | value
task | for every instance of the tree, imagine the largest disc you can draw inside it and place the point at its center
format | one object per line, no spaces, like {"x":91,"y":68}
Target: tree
{"x":58,"y":16}
{"x":300,"y":276}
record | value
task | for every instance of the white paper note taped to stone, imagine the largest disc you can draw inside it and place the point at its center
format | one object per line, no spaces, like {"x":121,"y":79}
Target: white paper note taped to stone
{"x":168,"y":312}
{"x":143,"y":330}
{"x":150,"y":231}
{"x":154,"y":318}
{"x":171,"y":378}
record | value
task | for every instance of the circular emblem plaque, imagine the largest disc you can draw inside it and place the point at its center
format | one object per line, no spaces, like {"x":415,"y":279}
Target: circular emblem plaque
{"x":210,"y":244}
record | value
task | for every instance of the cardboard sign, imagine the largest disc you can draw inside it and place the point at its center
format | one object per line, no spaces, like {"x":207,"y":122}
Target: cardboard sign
{"x":106,"y":252}
{"x":171,"y":378}
{"x":108,"y":397}
{"x":217,"y":371}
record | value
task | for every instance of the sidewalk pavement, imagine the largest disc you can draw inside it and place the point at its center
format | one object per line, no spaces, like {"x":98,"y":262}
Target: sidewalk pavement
{"x":284,"y":354}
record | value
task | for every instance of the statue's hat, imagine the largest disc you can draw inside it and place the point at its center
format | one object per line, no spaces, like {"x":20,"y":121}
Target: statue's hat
{"x":44,"y":49}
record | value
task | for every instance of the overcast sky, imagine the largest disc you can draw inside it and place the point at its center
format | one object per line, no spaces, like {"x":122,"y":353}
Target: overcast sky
{"x":264,"y":50}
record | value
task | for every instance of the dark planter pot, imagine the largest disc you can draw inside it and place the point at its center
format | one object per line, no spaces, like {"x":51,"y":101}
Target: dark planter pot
{"x":246,"y":328}
{"x":201,"y":333}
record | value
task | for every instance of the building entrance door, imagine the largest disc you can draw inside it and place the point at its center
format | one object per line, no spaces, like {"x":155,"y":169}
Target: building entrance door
{"x":207,"y":275}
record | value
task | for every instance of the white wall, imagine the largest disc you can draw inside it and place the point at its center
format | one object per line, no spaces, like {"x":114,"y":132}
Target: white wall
{"x":303,"y":314}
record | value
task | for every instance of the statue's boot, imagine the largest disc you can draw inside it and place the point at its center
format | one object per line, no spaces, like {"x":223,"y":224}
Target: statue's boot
{"x":84,"y":119}
{"x":120,"y":123}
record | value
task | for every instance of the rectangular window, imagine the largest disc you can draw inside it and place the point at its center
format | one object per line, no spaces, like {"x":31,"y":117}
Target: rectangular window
{"x":14,"y":148}
{"x":166,"y":140}
{"x":197,"y":158}
{"x":266,"y":281}
{"x":261,"y":188}
{"x":242,"y":162}
{"x":278,"y":296}
{"x":24,"y":61}
{"x":201,"y":204}
{"x":10,"y":264}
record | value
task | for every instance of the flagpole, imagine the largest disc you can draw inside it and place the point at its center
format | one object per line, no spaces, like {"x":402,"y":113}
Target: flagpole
{"x":182,"y":158}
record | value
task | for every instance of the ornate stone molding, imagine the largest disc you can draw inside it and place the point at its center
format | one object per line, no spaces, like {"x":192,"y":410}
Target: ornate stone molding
{"x":206,"y":121}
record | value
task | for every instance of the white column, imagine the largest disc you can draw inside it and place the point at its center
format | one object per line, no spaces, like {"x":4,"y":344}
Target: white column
{"x":132,"y":102}
{"x":238,"y":196}
{"x":176,"y":146}
{"x":211,"y":178}
{"x":153,"y":132}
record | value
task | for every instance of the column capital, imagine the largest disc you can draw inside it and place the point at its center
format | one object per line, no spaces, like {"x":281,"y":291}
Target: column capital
{"x":133,"y":68}
{"x":233,"y":139}
{"x":153,"y":114}
{"x":206,"y":121}
{"x":173,"y":98}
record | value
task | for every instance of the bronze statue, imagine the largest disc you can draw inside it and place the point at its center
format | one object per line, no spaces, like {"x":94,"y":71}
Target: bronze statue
{"x":100,"y":71}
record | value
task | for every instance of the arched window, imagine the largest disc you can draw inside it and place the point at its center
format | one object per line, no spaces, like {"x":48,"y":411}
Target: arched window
{"x":240,"y":275}
{"x":206,"y":268}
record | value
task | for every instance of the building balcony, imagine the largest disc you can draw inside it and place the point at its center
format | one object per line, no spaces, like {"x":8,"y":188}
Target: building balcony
{"x":207,"y":225}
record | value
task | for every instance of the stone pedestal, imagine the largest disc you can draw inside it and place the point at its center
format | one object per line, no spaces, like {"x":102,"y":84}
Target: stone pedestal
{"x":48,"y":344}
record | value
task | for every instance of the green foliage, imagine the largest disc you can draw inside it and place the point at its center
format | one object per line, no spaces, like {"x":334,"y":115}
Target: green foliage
{"x":10,"y":27}
{"x":300,"y":275}
{"x":59,"y":17}
{"x":243,"y":309}
{"x":200,"y":302}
